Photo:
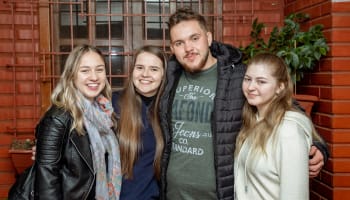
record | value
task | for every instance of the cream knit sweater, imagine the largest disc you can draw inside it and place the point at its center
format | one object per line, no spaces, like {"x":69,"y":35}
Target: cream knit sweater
{"x":281,"y":174}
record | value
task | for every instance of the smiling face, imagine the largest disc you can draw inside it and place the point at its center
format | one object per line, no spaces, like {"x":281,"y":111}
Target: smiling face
{"x":147,"y":74}
{"x":260,"y":87}
{"x":190,"y":44}
{"x":90,"y":78}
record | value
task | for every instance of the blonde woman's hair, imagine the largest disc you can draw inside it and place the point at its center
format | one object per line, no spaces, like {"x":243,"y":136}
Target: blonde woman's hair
{"x":258,"y":132}
{"x":130,"y":122}
{"x":65,"y":94}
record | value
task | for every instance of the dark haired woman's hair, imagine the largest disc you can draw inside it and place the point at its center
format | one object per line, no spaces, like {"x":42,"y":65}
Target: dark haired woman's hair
{"x":130,"y":123}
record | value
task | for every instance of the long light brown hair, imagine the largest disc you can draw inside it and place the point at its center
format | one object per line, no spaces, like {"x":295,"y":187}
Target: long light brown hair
{"x":65,"y":93}
{"x":130,"y":123}
{"x":260,"y":131}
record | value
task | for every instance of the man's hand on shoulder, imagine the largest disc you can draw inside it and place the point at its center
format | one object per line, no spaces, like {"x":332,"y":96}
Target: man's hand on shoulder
{"x":316,"y":162}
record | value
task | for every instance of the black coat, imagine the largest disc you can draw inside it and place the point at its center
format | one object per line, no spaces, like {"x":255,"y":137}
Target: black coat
{"x":226,"y":117}
{"x":64,"y":166}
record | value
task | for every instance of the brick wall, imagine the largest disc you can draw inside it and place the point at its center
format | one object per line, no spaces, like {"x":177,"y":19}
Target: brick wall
{"x":19,"y":79}
{"x":238,"y":16}
{"x":331,"y":83}
{"x":330,"y":80}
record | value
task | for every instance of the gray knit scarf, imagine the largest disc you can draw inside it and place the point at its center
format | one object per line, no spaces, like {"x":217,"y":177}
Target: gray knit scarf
{"x":98,"y":123}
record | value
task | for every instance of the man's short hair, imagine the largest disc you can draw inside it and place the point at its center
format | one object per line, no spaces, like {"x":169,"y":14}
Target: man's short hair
{"x":186,"y":14}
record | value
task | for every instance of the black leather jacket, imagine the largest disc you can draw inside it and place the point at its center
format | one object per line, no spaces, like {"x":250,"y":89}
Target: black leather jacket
{"x":64,"y":167}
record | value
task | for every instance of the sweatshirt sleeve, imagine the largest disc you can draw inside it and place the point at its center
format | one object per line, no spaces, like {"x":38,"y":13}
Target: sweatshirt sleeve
{"x":293,"y":166}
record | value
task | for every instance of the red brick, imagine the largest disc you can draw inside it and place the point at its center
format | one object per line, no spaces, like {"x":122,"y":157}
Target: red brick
{"x":341,"y":107}
{"x":6,"y":19}
{"x":268,"y":17}
{"x":341,"y":7}
{"x":6,"y":87}
{"x":6,"y":126}
{"x":313,"y":11}
{"x":242,"y":6}
{"x":5,"y":6}
{"x":341,"y":180}
{"x":321,"y":188}
{"x":5,"y":59}
{"x":25,"y":125}
{"x":340,"y":150}
{"x":340,"y":165}
{"x":308,"y":89}
{"x":326,"y":8}
{"x":23,"y":19}
{"x":341,"y":136}
{"x":26,"y":46}
{"x":6,"y":46}
{"x":326,"y":177}
{"x":320,"y":79}
{"x":27,"y":75}
{"x":27,"y":34}
{"x":335,"y":93}
{"x":6,"y":113}
{"x":334,"y":107}
{"x":269,"y":5}
{"x":341,"y":21}
{"x":336,"y":64}
{"x":301,"y":5}
{"x":340,"y":50}
{"x":8,"y":178}
{"x":341,"y":193}
{"x":27,"y":100}
{"x":26,"y":87}
{"x":341,"y":78}
{"x":341,"y":121}
{"x":6,"y":33}
{"x":326,"y":21}
{"x":340,"y":35}
{"x":26,"y":7}
{"x":324,"y":107}
{"x":6,"y":139}
{"x":7,"y":100}
{"x":334,"y":121}
{"x":6,"y":165}
{"x":28,"y":113}
{"x":4,"y":151}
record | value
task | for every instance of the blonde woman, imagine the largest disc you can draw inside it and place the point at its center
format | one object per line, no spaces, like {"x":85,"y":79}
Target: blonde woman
{"x":77,"y":152}
{"x":272,"y":148}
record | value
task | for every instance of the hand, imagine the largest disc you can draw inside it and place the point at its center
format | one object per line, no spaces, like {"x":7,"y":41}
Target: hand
{"x":315,"y":162}
{"x":33,"y":152}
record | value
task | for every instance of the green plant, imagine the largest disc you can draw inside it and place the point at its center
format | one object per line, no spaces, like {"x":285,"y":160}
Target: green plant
{"x":300,"y":50}
{"x":25,"y":144}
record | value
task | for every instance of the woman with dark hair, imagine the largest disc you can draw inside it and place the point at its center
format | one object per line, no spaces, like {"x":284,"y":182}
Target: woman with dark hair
{"x":139,"y":134}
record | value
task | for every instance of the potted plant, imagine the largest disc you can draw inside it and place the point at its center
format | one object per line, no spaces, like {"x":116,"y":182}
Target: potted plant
{"x":21,"y":152}
{"x":300,"y":50}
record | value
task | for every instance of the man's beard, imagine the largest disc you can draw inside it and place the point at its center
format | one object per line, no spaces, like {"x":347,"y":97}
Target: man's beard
{"x":199,"y":67}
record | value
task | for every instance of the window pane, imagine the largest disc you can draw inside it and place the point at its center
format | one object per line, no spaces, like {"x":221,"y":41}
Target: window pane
{"x":114,"y":19}
{"x":114,"y":64}
{"x":69,"y":17}
{"x":155,"y":22}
